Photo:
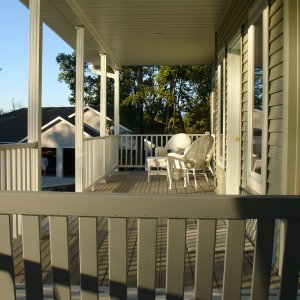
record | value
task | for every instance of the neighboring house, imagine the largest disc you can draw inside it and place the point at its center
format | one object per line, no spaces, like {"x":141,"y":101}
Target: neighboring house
{"x":58,"y":134}
{"x":256,"y":119}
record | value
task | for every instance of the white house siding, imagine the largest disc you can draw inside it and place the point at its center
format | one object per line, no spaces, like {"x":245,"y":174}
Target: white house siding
{"x":60,"y":136}
{"x":220,"y":172}
{"x":234,"y":20}
{"x":237,"y":20}
{"x":244,"y":123}
{"x":275,"y":130}
{"x":92,"y":119}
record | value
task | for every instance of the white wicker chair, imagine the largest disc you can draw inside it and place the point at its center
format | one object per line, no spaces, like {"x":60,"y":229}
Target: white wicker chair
{"x":193,"y":159}
{"x":176,"y":144}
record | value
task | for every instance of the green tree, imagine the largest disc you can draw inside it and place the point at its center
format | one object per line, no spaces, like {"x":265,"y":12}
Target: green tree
{"x":153,"y":99}
{"x":67,"y":67}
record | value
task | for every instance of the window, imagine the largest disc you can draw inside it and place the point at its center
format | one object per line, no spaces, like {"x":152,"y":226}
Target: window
{"x":221,"y":114}
{"x":258,"y":93}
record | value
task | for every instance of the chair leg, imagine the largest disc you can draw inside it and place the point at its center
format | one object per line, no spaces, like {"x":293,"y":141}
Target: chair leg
{"x":211,"y":170}
{"x":187,"y":176}
{"x":169,"y":172}
{"x":195,"y":179}
{"x":211,"y":186}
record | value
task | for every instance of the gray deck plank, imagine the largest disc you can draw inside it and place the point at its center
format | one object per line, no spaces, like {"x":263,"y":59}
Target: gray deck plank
{"x":136,"y":182}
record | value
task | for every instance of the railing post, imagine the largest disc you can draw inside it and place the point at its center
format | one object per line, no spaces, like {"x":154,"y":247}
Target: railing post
{"x":34,"y":92}
{"x":103,"y":96}
{"x":79,"y":109}
{"x":117,"y":103}
{"x":103,"y":106}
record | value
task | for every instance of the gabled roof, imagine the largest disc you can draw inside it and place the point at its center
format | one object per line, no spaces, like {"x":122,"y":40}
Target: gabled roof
{"x":13,"y":125}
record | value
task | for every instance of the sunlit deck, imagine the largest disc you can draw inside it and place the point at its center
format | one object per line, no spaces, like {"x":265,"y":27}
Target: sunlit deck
{"x":135,"y":182}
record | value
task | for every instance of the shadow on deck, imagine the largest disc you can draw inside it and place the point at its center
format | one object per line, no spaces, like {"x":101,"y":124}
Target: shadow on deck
{"x":136,"y":182}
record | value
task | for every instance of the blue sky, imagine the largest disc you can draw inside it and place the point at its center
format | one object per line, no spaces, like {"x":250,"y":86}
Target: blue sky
{"x":14,"y":28}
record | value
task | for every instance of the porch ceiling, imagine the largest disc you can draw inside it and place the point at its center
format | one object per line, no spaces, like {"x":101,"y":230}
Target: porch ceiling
{"x":140,"y":32}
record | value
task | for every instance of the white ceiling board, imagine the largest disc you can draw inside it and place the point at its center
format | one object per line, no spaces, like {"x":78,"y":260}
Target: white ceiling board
{"x":140,"y":32}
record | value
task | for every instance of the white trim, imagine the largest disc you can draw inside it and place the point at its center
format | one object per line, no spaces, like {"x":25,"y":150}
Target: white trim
{"x":291,"y":94}
{"x":103,"y":95}
{"x":97,"y":38}
{"x":99,"y":113}
{"x":60,"y":119}
{"x":212,"y":112}
{"x":117,"y":103}
{"x":258,"y":182}
{"x":98,"y":72}
{"x":234,"y":87}
{"x":35,"y":89}
{"x":79,"y":109}
{"x":221,"y":67}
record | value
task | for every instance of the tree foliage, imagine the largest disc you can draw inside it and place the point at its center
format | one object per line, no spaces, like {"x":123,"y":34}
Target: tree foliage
{"x":161,"y":99}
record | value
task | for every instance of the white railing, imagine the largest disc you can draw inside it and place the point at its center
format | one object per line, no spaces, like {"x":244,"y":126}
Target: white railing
{"x":111,"y":154}
{"x":16,"y":163}
{"x":16,"y":167}
{"x":149,"y":209}
{"x":100,"y":158}
{"x":135,"y":148}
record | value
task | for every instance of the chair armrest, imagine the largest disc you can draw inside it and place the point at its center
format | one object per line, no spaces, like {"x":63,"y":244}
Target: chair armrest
{"x":161,"y":151}
{"x":175,"y":156}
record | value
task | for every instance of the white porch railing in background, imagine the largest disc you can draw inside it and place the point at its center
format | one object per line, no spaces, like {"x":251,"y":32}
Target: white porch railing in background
{"x":100,"y":158}
{"x":16,"y":172}
{"x":135,"y":148}
{"x":111,"y":153}
{"x":15,"y":166}
{"x":148,"y":209}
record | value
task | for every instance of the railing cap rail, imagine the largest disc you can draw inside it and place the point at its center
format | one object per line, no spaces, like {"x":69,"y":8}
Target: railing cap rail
{"x":151,"y":206}
{"x":18,"y":146}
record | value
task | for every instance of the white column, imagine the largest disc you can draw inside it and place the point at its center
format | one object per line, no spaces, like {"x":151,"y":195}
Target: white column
{"x":103,"y":95}
{"x":117,"y":103}
{"x":103,"y":81}
{"x":79,"y":109}
{"x":59,"y":162}
{"x":34,"y":91}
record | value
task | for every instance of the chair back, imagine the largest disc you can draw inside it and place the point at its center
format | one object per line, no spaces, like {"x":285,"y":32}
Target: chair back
{"x":180,"y":140}
{"x":198,"y":150}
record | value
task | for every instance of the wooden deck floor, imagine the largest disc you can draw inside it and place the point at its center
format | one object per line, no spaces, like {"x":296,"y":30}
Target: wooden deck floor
{"x":136,"y":182}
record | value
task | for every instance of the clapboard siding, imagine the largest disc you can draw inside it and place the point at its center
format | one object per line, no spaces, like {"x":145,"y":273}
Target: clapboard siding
{"x":276,"y":73}
{"x":275,"y":151}
{"x":276,"y":86}
{"x":275,"y":139}
{"x":275,"y":125}
{"x":276,"y":31}
{"x":275,"y":6}
{"x":235,"y":18}
{"x":276,"y":44}
{"x":244,"y":115}
{"x":276,"y":59}
{"x":276,"y":17}
{"x":275,"y":112}
{"x":276,"y":99}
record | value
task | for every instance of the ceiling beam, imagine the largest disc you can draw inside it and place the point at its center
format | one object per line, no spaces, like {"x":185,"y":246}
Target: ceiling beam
{"x":103,"y":48}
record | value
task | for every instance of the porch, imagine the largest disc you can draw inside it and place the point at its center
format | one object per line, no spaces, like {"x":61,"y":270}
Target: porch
{"x":144,"y":244}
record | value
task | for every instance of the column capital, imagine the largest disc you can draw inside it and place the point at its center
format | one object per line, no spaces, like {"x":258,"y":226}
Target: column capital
{"x":77,"y":27}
